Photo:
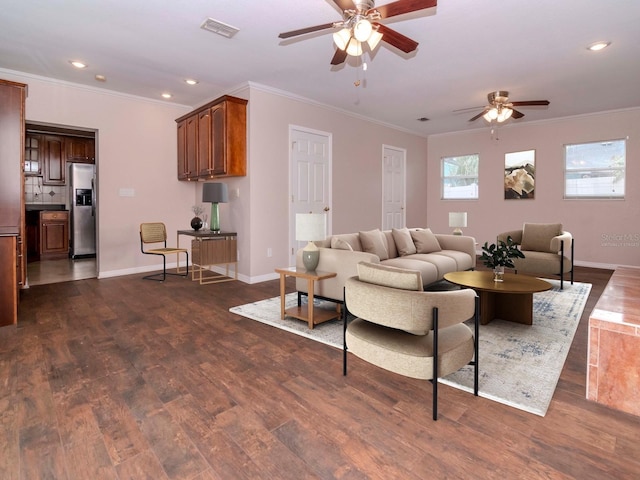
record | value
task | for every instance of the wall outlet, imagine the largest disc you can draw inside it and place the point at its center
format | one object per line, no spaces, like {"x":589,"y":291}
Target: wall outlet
{"x":269,"y":252}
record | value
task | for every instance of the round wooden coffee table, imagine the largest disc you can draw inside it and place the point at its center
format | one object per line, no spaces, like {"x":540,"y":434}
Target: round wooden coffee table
{"x":510,"y":300}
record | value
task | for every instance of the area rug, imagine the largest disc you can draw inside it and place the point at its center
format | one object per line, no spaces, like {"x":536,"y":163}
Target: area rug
{"x":519,"y":364}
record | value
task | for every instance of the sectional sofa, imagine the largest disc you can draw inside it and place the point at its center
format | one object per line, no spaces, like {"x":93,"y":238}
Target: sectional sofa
{"x":431,"y":254}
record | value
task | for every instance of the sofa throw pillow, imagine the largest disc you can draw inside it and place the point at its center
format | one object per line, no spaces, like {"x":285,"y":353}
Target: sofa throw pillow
{"x":425,"y":241}
{"x":352,"y":239}
{"x":537,"y":236}
{"x":373,"y":241}
{"x":388,"y":276}
{"x":404,"y":242}
{"x":341,"y":244}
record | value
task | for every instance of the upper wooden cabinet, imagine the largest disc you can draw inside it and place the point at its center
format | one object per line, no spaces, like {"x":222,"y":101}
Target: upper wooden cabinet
{"x":80,"y":150}
{"x":54,"y":159}
{"x":33,"y":154}
{"x":212,"y":140}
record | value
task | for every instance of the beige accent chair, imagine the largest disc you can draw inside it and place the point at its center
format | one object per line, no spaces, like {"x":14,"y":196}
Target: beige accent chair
{"x":155,"y":233}
{"x":400,"y":328}
{"x":548,"y":250}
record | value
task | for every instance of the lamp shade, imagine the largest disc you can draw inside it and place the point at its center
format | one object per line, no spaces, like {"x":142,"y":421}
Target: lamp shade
{"x":310,"y":227}
{"x":215,"y":193}
{"x":457,"y":219}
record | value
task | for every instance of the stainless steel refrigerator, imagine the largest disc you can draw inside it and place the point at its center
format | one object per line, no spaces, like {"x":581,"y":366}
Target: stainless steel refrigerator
{"x":82,"y":200}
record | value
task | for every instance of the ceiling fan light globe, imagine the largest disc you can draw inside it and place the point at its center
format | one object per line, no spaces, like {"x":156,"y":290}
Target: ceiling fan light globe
{"x":354,"y":48}
{"x":491,"y":115}
{"x":374,"y":40}
{"x":504,"y":115}
{"x":341,"y":38}
{"x":362,"y":30}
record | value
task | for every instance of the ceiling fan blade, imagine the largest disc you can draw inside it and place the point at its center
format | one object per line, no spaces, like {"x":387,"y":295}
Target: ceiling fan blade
{"x":396,"y":39}
{"x":403,"y":6}
{"x":303,"y":31}
{"x":339,"y":57}
{"x":516,"y":114}
{"x":345,"y":4}
{"x":530,"y":103}
{"x":472,"y":119}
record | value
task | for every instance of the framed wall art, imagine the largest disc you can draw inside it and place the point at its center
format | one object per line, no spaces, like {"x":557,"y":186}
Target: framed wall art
{"x":520,"y":175}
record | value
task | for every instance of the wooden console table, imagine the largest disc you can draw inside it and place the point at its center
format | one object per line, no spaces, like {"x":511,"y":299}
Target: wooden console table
{"x":211,"y":248}
{"x":305,"y":312}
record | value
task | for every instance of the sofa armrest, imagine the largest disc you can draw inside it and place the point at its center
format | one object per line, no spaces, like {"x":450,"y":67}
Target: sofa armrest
{"x":516,"y":236}
{"x":555,"y":242}
{"x":343,"y":262}
{"x":460,"y":243}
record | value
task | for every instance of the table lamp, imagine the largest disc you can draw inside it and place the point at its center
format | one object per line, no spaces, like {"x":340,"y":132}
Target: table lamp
{"x":215,"y":193}
{"x":457,"y":220}
{"x":310,"y":227}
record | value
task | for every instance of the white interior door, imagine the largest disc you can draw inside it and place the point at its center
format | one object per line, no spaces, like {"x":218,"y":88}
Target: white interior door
{"x":393,"y":187}
{"x":310,"y":155}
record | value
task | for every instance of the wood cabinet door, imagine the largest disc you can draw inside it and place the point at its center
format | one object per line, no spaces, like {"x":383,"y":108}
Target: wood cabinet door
{"x":218,"y":139}
{"x":205,"y":161}
{"x":54,"y":234}
{"x":182,"y":151}
{"x":54,"y":160}
{"x":80,"y":150}
{"x":191,"y":147}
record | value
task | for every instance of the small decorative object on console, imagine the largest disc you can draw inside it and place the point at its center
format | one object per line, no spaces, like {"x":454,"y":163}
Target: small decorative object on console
{"x":196,"y":222}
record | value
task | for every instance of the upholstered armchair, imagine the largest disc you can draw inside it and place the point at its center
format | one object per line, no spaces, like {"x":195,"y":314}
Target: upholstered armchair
{"x":408,"y":331}
{"x":548,"y":250}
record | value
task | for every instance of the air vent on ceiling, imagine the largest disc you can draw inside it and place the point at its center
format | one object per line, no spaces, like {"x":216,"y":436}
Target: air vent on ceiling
{"x":218,"y":27}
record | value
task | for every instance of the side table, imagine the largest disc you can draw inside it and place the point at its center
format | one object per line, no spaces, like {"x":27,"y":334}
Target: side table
{"x":305,"y":312}
{"x":211,"y":248}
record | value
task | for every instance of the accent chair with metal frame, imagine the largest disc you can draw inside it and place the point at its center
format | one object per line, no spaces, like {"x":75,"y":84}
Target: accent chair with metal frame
{"x":547,"y":249}
{"x":154,"y":233}
{"x":408,"y":331}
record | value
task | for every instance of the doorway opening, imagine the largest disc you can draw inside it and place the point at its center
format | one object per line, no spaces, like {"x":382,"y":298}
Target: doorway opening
{"x":58,"y":227}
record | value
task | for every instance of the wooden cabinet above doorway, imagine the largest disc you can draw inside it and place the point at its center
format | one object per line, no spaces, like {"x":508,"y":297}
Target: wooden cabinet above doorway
{"x":212,"y":140}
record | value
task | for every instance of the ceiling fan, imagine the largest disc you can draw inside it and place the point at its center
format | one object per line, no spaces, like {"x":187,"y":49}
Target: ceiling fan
{"x":360,"y":25}
{"x":501,"y":109}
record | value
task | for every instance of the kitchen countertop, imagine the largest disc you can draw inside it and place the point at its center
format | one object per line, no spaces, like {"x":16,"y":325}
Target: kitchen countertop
{"x":44,"y":206}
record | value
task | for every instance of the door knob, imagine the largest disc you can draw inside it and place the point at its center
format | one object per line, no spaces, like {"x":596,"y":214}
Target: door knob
{"x":326,"y":209}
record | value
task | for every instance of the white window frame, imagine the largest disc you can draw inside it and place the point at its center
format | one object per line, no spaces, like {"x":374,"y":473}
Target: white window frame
{"x":475,"y":192}
{"x":606,"y":181}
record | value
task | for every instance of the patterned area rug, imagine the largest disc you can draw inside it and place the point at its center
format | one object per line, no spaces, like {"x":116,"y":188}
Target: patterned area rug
{"x":519,"y":364}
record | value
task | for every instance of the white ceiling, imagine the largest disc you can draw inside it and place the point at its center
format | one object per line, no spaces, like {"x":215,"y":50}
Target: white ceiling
{"x":535,"y":49}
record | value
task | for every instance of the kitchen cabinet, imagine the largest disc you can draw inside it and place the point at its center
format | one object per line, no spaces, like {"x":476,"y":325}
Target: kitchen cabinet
{"x":212,"y":140}
{"x":54,"y":159}
{"x":33,"y":154}
{"x":54,"y":234}
{"x":80,"y":150}
{"x":12,"y":226}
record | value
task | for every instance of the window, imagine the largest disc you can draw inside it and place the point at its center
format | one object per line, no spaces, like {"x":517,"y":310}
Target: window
{"x":460,"y":177}
{"x":595,"y":170}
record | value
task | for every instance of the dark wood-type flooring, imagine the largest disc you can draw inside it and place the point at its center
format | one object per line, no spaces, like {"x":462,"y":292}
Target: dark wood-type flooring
{"x":126,"y":378}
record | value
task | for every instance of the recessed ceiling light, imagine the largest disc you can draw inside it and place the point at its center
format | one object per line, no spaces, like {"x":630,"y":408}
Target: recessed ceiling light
{"x":595,"y":47}
{"x":78,"y":64}
{"x":166,"y":95}
{"x":101,"y":78}
{"x":191,"y":81}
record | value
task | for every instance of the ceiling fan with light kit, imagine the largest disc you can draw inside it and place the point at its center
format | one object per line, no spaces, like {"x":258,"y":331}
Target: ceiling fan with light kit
{"x":360,"y":28}
{"x":500,"y":109}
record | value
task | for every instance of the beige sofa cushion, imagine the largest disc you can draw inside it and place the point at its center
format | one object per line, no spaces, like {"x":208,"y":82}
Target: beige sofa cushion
{"x":373,"y":241}
{"x":404,"y":242}
{"x":387,"y":276}
{"x":352,"y":239}
{"x":537,"y":236}
{"x":425,"y":241}
{"x":341,"y":244}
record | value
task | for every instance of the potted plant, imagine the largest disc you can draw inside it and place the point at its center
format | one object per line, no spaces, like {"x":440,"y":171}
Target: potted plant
{"x":500,"y":255}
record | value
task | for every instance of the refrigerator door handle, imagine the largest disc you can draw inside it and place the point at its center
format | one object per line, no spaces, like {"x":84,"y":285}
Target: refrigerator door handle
{"x":93,"y":196}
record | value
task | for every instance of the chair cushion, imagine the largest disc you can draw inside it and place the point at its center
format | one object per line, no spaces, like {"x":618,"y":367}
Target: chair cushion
{"x":404,"y":242}
{"x":537,"y":236}
{"x":373,"y":241}
{"x":425,"y":241}
{"x":387,"y":276}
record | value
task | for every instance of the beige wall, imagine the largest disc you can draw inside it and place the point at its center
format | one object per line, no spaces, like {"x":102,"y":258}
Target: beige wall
{"x":592,"y":222}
